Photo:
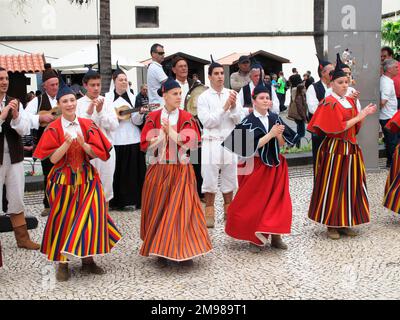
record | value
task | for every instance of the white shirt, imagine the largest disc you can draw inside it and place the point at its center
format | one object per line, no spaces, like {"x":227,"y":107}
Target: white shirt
{"x":21,"y":124}
{"x":217,"y":123}
{"x":32,"y":110}
{"x":106,"y":119}
{"x":349,"y":92}
{"x":155,"y":77}
{"x":263,"y":119}
{"x":311,"y":97}
{"x":172,"y":116}
{"x":343,"y":101}
{"x":127,"y":131}
{"x":185,"y":90}
{"x":387,"y":93}
{"x":275,"y":100}
{"x":71,"y":127}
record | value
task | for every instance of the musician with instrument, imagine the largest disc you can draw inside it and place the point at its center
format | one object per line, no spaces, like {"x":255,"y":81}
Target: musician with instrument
{"x":41,"y":114}
{"x":92,"y":106}
{"x":14,"y":123}
{"x":181,"y":70}
{"x":130,"y":165}
{"x":219,"y":111}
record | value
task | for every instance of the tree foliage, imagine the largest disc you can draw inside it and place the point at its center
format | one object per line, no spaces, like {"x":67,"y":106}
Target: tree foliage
{"x":391,"y":35}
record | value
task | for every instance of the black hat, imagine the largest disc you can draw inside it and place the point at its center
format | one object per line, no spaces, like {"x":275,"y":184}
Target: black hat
{"x":48,"y":72}
{"x":322,"y":63}
{"x":342,"y":65}
{"x":243,"y":59}
{"x":90,"y":74}
{"x":117,"y":72}
{"x":213,"y":65}
{"x":260,"y":88}
{"x":255,"y":64}
{"x":64,"y":89}
{"x":338,"y":72}
{"x":168,"y":85}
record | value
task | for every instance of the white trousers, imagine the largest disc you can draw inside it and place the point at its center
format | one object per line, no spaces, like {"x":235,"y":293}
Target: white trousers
{"x":106,"y":171}
{"x":214,"y":158}
{"x":12,"y":175}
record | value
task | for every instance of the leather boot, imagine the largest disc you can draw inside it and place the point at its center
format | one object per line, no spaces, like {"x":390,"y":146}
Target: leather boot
{"x":93,"y":268}
{"x":21,"y":232}
{"x":276,"y":242}
{"x":210,"y":216}
{"x":62,"y":272}
{"x":226,"y":206}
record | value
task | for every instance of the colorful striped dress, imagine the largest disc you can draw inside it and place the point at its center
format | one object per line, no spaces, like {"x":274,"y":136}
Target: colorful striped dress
{"x":173,"y":224}
{"x":339,"y":197}
{"x":78,"y":224}
{"x":391,"y":199}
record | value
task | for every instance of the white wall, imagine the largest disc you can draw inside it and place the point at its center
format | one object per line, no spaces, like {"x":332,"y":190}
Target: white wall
{"x":175,"y":16}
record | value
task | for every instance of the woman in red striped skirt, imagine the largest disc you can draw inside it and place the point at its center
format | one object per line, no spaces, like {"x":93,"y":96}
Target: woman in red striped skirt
{"x":392,"y":187}
{"x":78,"y":224}
{"x":173,"y":226}
{"x":339,"y":199}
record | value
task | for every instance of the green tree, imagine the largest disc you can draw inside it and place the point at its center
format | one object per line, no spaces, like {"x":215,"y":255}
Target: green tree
{"x":391,"y":35}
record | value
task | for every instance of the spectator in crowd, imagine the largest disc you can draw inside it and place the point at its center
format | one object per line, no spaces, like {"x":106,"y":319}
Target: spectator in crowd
{"x":142,"y":99}
{"x":281,"y":91}
{"x":195,"y":78}
{"x":274,"y":82}
{"x":388,"y":105}
{"x":242,"y":77}
{"x":387,"y":53}
{"x":298,"y":112}
{"x":267,"y":80}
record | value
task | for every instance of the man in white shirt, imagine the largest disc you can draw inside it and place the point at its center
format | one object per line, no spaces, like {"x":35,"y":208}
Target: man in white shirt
{"x":155,"y":74}
{"x":242,"y":77}
{"x":44,"y":102}
{"x":92,"y":106}
{"x":388,"y":105}
{"x":219,"y":111}
{"x":14,"y":123}
{"x":246,"y":92}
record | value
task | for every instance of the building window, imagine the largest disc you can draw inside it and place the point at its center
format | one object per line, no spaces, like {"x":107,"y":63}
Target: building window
{"x":146,"y":17}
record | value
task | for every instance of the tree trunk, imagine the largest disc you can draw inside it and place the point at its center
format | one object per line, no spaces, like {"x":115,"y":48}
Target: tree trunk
{"x":319,"y":16}
{"x":105,"y":45}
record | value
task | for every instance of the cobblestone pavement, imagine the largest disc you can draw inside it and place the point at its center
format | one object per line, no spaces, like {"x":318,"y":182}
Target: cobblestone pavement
{"x":313,"y":267}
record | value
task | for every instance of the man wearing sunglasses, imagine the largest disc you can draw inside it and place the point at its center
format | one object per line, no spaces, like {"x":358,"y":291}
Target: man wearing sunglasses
{"x":155,"y":74}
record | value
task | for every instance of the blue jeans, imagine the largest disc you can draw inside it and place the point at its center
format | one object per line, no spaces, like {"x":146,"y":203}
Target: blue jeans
{"x":301,"y":131}
{"x":391,"y":140}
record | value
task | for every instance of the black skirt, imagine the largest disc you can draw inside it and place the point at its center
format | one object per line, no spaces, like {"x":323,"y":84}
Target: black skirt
{"x":130,"y":171}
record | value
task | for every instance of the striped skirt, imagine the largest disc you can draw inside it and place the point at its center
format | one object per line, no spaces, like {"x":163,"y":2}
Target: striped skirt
{"x":340,"y":197}
{"x":391,"y":199}
{"x":78,"y":224}
{"x":173,"y":224}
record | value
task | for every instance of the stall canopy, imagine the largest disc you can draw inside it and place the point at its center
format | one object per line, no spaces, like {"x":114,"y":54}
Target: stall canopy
{"x":79,"y":60}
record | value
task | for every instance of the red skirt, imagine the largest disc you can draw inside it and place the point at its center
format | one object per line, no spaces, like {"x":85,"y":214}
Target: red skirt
{"x":262,"y":205}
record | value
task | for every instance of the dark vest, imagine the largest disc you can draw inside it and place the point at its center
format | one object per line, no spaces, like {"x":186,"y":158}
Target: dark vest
{"x":14,"y":140}
{"x":319,"y":90}
{"x":320,"y":94}
{"x":247,"y":95}
{"x":43,"y":105}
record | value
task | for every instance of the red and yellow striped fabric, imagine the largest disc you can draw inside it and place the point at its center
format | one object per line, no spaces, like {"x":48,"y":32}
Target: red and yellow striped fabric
{"x":78,"y":224}
{"x":173,"y":224}
{"x":340,"y":197}
{"x":391,"y":199}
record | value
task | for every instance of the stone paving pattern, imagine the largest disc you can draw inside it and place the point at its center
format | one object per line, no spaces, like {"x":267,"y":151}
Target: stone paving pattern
{"x":313,"y":267}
